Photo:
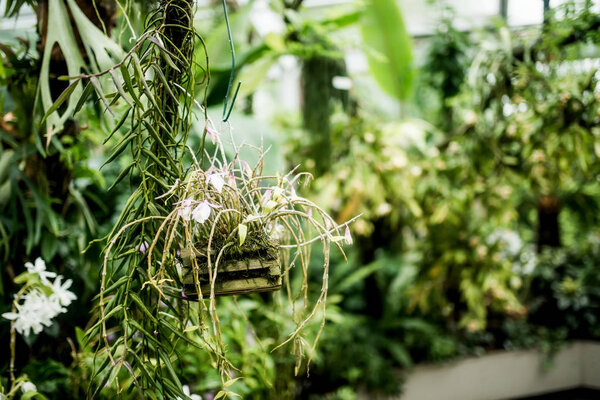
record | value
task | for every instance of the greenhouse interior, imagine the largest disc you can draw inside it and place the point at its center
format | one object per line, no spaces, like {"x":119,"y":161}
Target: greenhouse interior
{"x":300,"y":199}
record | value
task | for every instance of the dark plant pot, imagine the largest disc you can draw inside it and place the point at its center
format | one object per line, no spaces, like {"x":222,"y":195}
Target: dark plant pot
{"x":250,"y":275}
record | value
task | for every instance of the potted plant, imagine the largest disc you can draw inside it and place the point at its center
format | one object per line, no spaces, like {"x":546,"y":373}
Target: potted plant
{"x":190,"y":230}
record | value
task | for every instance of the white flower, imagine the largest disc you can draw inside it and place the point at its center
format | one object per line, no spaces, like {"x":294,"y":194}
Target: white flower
{"x":28,"y":387}
{"x":186,"y":391}
{"x":25,"y":320}
{"x":216,"y":179}
{"x":185,"y":210}
{"x":415,"y":170}
{"x":37,"y":311}
{"x":341,"y":83}
{"x":40,"y":268}
{"x":11,"y":316}
{"x":383,"y":209}
{"x":510,"y":242}
{"x":65,"y":297}
{"x":201,"y":212}
{"x":527,"y":263}
{"x":278,"y":231}
{"x":277,"y":193}
{"x":43,"y":307}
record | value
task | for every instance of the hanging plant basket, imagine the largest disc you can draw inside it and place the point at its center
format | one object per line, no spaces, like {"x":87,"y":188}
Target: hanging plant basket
{"x":251,"y":271}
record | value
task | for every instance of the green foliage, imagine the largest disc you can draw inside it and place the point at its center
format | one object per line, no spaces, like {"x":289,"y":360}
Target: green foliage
{"x":443,"y":73}
{"x":521,"y":137}
{"x":522,"y":122}
{"x":218,"y":210}
{"x":384,"y":154}
{"x":102,"y":51}
{"x":388,"y":47}
{"x":564,"y":290}
{"x":445,"y":263}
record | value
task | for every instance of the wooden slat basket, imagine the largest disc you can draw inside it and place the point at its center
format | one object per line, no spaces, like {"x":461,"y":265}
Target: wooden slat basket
{"x":233,"y":276}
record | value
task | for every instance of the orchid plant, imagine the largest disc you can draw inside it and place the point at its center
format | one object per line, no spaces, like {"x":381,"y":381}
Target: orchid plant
{"x":218,"y":212}
{"x":35,"y":306}
{"x":218,"y":207}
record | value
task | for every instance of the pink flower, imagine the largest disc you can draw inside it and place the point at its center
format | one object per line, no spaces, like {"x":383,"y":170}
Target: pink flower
{"x":248,"y":169}
{"x":232,"y":180}
{"x":142,"y":247}
{"x":266,"y":196}
{"x":213,"y":134}
{"x":348,"y":236}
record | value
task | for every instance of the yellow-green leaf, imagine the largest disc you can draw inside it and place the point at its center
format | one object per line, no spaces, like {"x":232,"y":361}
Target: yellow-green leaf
{"x":242,"y":232}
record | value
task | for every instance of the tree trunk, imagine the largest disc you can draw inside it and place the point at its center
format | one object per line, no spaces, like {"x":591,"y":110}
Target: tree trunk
{"x":318,"y":97}
{"x":548,"y":208}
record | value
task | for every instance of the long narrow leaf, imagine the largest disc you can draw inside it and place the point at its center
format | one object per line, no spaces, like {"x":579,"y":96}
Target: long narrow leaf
{"x":389,"y":51}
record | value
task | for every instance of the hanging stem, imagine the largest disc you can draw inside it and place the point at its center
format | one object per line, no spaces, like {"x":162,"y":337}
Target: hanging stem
{"x":227,"y":113}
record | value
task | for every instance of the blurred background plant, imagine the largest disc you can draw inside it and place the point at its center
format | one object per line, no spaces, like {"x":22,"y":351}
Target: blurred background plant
{"x":470,"y":153}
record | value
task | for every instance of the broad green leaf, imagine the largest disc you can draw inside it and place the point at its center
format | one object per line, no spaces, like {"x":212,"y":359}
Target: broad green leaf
{"x":242,"y":232}
{"x":275,"y":42}
{"x":102,"y":53}
{"x":357,"y":276}
{"x":253,"y":74}
{"x":59,"y":33}
{"x":389,"y":47}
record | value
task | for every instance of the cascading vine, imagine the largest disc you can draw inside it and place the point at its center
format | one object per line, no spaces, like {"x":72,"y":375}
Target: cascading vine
{"x":189,"y":233}
{"x":131,"y":333}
